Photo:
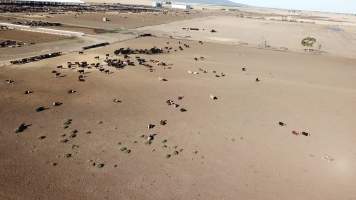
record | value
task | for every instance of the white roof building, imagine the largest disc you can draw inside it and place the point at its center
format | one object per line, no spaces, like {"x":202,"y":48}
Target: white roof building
{"x":181,"y":6}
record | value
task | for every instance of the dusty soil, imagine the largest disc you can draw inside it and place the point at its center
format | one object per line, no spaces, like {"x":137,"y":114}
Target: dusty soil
{"x":334,"y":39}
{"x":259,"y":123}
{"x":233,"y":147}
{"x":89,"y":23}
{"x":37,"y":43}
{"x":139,"y":2}
{"x":29,"y":37}
{"x":117,"y":20}
{"x":122,"y":20}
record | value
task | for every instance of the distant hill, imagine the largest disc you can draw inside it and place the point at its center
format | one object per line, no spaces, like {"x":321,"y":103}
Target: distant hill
{"x":213,"y":2}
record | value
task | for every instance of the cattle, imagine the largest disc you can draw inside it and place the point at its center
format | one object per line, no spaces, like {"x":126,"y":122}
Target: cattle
{"x":81,"y":78}
{"x":56,"y":103}
{"x":22,"y":128}
{"x":9,"y":81}
{"x":281,"y":123}
{"x":71,"y":91}
{"x":28,"y":92}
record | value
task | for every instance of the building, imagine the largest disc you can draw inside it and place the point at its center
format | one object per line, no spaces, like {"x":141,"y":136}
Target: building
{"x":169,"y":4}
{"x":156,"y":4}
{"x":42,"y":2}
{"x":180,"y":6}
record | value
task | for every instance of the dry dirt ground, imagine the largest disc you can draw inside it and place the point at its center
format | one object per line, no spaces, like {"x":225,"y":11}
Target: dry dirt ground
{"x":117,"y":20}
{"x":20,"y":17}
{"x":120,"y":27}
{"x":36,"y":43}
{"x":139,"y":2}
{"x":245,"y":144}
{"x":229,"y":148}
{"x":123,"y":20}
{"x":334,"y":39}
{"x":29,"y":37}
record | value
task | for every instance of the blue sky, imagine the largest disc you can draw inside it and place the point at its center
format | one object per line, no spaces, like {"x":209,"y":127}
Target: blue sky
{"x":347,"y":6}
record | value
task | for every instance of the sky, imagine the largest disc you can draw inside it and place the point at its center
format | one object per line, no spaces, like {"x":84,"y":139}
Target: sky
{"x":344,"y":6}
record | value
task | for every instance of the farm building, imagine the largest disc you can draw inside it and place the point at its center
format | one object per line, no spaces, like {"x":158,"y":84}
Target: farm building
{"x":157,"y":4}
{"x":181,"y":6}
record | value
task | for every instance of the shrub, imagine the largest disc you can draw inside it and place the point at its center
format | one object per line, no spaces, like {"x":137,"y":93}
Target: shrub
{"x":308,"y":42}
